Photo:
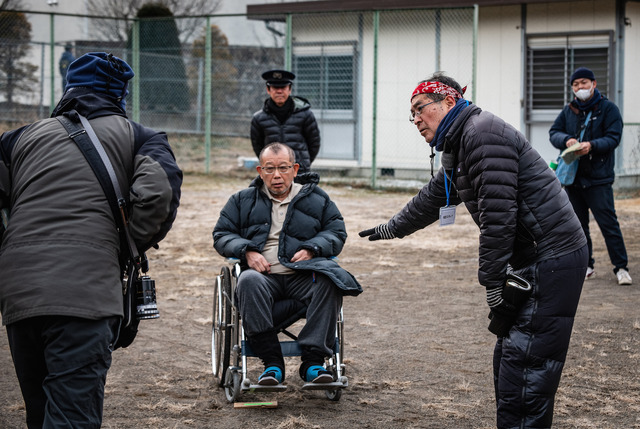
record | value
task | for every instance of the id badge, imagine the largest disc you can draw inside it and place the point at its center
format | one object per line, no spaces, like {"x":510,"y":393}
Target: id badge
{"x":447,"y":215}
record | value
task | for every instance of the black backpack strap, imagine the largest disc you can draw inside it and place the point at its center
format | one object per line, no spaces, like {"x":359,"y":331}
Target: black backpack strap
{"x":81,"y":132}
{"x":79,"y":135}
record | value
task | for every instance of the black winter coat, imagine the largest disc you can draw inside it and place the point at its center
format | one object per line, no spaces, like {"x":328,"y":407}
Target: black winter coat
{"x":604,"y":132}
{"x":299,"y":131}
{"x":513,"y":196}
{"x":313,"y":222}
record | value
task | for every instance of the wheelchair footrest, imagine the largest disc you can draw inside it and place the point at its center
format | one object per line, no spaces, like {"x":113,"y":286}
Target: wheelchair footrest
{"x":260,"y":388}
{"x":326,"y":386}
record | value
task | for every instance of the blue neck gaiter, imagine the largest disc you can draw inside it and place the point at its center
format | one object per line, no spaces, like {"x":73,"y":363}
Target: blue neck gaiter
{"x":445,"y":124}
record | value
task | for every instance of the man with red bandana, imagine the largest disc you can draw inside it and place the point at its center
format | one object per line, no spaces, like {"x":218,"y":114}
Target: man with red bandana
{"x":530,"y":237}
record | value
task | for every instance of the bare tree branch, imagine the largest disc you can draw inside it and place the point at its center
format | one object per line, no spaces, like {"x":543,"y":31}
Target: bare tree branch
{"x":125,"y":11}
{"x":11,"y":5}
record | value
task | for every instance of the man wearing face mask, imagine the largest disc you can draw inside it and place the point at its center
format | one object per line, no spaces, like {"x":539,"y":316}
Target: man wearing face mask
{"x":592,"y":188}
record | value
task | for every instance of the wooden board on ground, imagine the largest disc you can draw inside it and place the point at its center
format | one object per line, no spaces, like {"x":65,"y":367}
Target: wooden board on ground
{"x":256,"y":404}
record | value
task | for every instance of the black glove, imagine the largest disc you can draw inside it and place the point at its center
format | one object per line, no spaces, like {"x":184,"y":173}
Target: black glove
{"x":503,"y":314}
{"x":380,"y":232}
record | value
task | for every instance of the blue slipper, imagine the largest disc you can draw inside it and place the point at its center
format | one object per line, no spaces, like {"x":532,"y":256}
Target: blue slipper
{"x":271,"y":376}
{"x":317,"y":374}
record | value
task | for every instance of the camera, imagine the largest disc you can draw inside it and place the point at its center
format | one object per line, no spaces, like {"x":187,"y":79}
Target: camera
{"x":146,"y":306}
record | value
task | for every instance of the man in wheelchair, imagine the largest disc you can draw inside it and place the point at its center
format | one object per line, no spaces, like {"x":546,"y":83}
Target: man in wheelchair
{"x":286,"y":235}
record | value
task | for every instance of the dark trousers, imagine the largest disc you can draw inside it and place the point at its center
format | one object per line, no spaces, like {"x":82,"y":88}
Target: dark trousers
{"x":62,"y":363}
{"x":528,"y":363}
{"x":257,"y":293}
{"x":599,"y":199}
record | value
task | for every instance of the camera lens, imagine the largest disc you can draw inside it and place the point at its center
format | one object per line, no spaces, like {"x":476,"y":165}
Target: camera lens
{"x":146,"y":307}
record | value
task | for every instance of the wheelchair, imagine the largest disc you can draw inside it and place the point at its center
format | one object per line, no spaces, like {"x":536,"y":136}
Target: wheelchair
{"x":230,"y":349}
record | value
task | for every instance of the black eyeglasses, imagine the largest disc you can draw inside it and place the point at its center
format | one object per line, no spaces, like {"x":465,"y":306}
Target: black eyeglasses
{"x":283,"y":169}
{"x":414,"y":113}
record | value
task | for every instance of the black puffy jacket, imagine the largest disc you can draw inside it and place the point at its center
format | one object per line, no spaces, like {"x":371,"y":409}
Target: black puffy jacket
{"x":603,"y":131}
{"x":299,"y":131}
{"x":513,"y":196}
{"x":313,"y":222}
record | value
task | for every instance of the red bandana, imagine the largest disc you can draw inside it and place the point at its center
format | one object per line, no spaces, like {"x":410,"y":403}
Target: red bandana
{"x":437,"y":88}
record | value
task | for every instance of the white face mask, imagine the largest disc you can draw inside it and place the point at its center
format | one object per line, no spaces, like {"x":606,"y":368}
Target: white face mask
{"x":583,"y":94}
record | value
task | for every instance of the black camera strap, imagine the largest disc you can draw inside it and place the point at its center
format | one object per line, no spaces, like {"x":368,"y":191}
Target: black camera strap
{"x":83,"y":135}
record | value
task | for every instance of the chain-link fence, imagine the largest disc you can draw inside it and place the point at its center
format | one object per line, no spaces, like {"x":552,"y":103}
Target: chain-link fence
{"x":198,"y":78}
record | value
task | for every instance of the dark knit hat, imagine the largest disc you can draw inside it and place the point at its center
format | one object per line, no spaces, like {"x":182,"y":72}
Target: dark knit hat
{"x":101,"y":72}
{"x":582,"y":72}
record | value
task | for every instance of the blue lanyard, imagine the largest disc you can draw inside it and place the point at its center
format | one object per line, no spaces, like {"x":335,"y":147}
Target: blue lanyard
{"x":586,"y":121}
{"x":447,"y":189}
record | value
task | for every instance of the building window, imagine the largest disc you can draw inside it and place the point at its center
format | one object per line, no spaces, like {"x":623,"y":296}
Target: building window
{"x":552,"y":59}
{"x":326,"y":80}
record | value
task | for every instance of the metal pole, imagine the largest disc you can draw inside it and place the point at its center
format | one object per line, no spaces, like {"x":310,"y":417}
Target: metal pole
{"x":42,"y":79}
{"x":287,"y":48}
{"x":207,"y":96}
{"x":52,"y":60}
{"x":474,"y":80}
{"x":374,"y":163}
{"x":135,"y":61}
{"x":438,"y":38}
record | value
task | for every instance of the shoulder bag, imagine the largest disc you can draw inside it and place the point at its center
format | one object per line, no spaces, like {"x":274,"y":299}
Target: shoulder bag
{"x":131,"y":263}
{"x":566,"y":172}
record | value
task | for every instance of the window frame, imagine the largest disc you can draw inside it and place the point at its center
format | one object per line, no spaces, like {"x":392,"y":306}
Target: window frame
{"x":569,"y":42}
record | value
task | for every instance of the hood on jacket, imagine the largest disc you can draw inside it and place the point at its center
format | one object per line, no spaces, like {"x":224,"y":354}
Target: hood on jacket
{"x":88,"y":103}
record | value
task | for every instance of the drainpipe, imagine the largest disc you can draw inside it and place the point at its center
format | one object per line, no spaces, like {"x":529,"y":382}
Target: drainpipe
{"x":52,"y":41}
{"x":374,"y":164}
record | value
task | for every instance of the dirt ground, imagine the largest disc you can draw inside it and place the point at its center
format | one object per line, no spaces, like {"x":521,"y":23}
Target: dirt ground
{"x":417,"y":353}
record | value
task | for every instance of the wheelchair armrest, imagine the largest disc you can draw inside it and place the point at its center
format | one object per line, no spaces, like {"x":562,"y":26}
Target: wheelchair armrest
{"x":286,"y":312}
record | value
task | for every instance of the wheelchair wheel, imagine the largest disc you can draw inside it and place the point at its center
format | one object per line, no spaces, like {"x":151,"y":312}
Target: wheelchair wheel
{"x":220,"y":333}
{"x":334,"y":395}
{"x":232,"y":382}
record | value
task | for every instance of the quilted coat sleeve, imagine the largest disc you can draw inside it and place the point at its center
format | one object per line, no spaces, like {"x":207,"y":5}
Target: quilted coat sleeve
{"x":257,"y":134}
{"x":559,"y":133}
{"x":155,"y":187}
{"x":331,"y":235}
{"x":311,"y":135}
{"x":610,"y":130}
{"x":492,"y":161}
{"x":237,"y":229}
{"x":424,"y":208}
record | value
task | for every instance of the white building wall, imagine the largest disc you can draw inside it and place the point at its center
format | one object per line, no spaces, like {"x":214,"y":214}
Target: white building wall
{"x":499,"y":63}
{"x":631,"y":88}
{"x":572,"y":16}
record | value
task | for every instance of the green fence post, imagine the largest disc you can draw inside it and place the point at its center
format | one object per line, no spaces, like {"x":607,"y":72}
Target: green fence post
{"x":207,"y":97}
{"x":52,"y":41}
{"x":374,"y":162}
{"x":287,"y":49}
{"x":135,"y":61}
{"x":474,"y":71}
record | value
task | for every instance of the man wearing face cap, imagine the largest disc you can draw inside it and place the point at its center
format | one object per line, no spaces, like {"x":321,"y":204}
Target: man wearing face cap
{"x":61,"y":290}
{"x":528,"y":232}
{"x":592,"y":188}
{"x":286,"y":119}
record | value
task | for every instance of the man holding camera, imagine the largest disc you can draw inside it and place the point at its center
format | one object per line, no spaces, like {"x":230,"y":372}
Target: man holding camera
{"x":286,"y":235}
{"x":61,"y":291}
{"x":532,"y":253}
